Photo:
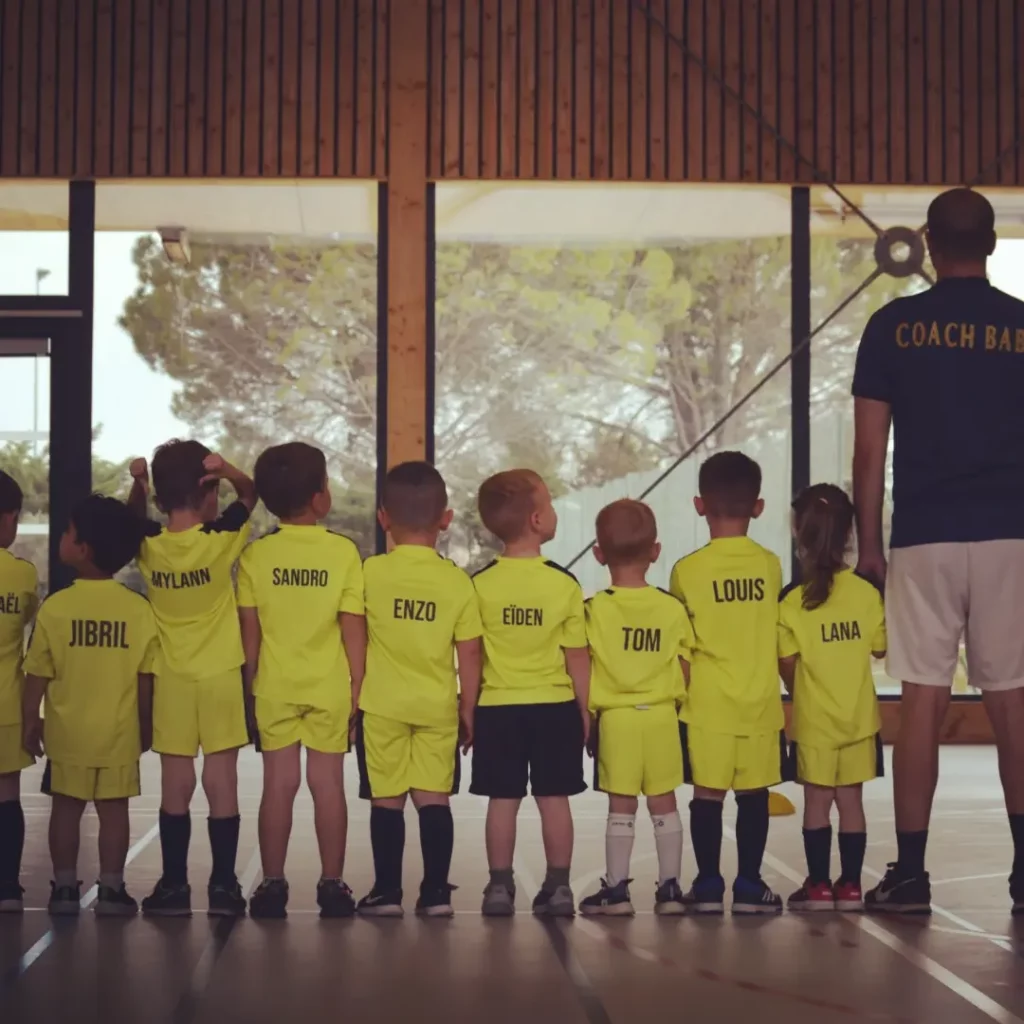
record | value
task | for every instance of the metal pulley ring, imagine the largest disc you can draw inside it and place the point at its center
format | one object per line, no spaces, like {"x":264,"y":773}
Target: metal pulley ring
{"x":907,"y":263}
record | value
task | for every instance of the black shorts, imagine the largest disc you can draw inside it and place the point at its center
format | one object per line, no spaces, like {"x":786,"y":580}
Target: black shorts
{"x":539,"y":743}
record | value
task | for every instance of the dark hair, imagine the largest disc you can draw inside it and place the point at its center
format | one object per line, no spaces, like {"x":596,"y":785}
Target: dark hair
{"x":177,"y":469}
{"x":414,"y":495}
{"x":11,"y":498}
{"x":626,"y":531}
{"x":822,"y":521}
{"x":288,"y":477}
{"x":962,"y":224}
{"x":112,"y":531}
{"x":730,"y":484}
{"x":507,"y":500}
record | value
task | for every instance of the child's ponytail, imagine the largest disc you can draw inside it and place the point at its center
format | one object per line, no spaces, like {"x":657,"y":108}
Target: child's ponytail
{"x":822,"y":523}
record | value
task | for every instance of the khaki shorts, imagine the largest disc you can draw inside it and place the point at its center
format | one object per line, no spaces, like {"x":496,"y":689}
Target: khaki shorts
{"x":938,"y":594}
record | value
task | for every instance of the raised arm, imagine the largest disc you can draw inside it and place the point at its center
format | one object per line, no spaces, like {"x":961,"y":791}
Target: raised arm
{"x":138,"y":496}
{"x":218,"y":468}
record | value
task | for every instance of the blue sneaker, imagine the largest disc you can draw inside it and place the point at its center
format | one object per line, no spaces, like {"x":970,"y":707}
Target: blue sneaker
{"x":754,"y":898}
{"x":706,"y":896}
{"x":611,"y":900}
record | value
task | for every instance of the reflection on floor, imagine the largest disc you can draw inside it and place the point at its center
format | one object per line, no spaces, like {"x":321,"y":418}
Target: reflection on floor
{"x":963,"y":965}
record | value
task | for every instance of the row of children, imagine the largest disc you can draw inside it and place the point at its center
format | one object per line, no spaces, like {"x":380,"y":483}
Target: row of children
{"x":660,"y":687}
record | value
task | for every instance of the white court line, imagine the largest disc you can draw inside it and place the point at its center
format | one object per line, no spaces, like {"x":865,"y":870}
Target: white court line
{"x":957,"y":985}
{"x":967,"y":878}
{"x":968,"y":934}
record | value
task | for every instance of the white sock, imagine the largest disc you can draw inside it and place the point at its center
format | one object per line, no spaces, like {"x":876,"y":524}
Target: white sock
{"x":668,"y":841}
{"x":618,"y":846}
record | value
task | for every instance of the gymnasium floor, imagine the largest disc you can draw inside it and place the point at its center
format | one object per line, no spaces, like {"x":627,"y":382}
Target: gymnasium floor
{"x":964,"y":965}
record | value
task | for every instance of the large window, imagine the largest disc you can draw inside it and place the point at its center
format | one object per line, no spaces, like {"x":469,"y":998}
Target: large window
{"x":595,"y":334}
{"x":267,"y":334}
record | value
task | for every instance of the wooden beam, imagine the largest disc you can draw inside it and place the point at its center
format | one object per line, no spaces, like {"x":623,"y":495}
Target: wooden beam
{"x":408,"y":381}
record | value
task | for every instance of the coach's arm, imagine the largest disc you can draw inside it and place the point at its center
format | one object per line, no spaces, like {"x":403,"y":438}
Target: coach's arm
{"x":872,"y":420}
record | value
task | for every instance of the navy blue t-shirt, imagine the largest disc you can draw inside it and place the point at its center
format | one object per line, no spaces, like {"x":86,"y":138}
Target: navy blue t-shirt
{"x":950,"y":363}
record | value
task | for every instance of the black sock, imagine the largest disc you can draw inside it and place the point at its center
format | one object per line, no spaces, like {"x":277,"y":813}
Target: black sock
{"x":387,"y":838}
{"x":706,"y":836}
{"x":910,"y":847}
{"x":818,"y":848}
{"x":175,"y":835}
{"x":851,"y":855}
{"x":437,"y":838}
{"x":751,"y":832}
{"x":1017,"y":831}
{"x":12,"y":841}
{"x":224,"y":845}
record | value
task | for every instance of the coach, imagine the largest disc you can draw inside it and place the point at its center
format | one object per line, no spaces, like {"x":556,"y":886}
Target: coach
{"x":946,"y":369}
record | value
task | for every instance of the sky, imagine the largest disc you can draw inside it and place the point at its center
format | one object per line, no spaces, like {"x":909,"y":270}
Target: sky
{"x":131,"y":403}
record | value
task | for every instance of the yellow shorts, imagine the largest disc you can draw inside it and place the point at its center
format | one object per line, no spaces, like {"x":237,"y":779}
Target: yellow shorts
{"x":637,"y":751}
{"x":189,"y":714}
{"x":395,"y":757}
{"x":718,"y":761}
{"x":91,"y":783}
{"x":840,"y":766}
{"x":283,"y":725}
{"x":13,"y":757}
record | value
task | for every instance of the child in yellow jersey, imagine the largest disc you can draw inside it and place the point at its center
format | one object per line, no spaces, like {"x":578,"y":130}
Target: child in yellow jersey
{"x":18,"y":584}
{"x":830,"y":625}
{"x":732,"y":718}
{"x":198,"y":701}
{"x":91,"y":654}
{"x":532,"y":720}
{"x":639,"y":637}
{"x":300,"y":597}
{"x":420,"y":615}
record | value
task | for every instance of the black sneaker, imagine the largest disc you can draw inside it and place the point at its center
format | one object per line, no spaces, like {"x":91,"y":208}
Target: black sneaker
{"x":380,"y":903}
{"x":225,"y":900}
{"x":167,"y":900}
{"x":1016,"y":894}
{"x":900,"y":893}
{"x":750,"y":897}
{"x":115,"y":903}
{"x":334,"y":898}
{"x":65,"y":900}
{"x":270,"y":900}
{"x":609,"y":900}
{"x":11,"y":898}
{"x":436,"y":901}
{"x":668,"y":900}
{"x":558,"y":902}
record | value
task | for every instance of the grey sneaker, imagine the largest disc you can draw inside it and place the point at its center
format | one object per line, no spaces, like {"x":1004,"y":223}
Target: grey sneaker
{"x":65,"y":900}
{"x":559,"y":903}
{"x":499,"y":900}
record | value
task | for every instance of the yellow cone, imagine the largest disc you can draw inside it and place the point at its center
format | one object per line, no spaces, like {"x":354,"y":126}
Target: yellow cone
{"x":779,"y":805}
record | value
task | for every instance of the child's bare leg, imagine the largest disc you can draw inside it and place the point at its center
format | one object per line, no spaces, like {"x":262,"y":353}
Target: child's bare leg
{"x":500,"y":834}
{"x":12,"y":835}
{"x":706,"y":831}
{"x":220,"y":783}
{"x":557,"y":833}
{"x":852,"y":832}
{"x":65,"y":824}
{"x":668,"y":835}
{"x":177,"y":784}
{"x":387,"y":839}
{"x":282,"y":773}
{"x":115,"y":832}
{"x":437,"y":836}
{"x":330,"y":811}
{"x":818,"y":832}
{"x":619,"y":835}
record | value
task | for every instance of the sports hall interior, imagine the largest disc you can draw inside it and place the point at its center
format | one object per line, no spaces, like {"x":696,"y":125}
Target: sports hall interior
{"x":599,"y":237}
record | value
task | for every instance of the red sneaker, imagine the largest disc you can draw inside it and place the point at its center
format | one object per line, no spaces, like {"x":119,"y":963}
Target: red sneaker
{"x":812,"y":896}
{"x":849,"y":898}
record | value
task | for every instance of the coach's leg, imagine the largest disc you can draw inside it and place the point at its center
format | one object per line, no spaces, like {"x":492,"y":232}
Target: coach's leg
{"x":1006,"y":711}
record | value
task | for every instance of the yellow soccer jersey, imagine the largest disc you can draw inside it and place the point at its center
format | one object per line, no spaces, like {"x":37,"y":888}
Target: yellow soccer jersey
{"x":834,"y":700}
{"x":189,"y":584}
{"x":531,"y":610}
{"x":637,"y":635}
{"x":730,"y":589}
{"x":91,"y":641}
{"x":17,"y":606}
{"x":418,"y":606}
{"x":299,"y":579}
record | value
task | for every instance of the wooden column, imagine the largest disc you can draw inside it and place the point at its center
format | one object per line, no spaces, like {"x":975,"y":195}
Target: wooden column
{"x":409,"y":375}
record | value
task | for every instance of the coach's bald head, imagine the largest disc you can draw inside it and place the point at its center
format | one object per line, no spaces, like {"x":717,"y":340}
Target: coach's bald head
{"x":961,"y":231}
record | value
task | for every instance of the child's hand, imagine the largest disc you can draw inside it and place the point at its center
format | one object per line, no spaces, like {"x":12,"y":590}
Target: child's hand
{"x":146,"y":738}
{"x":139,"y":470}
{"x":215,"y":467}
{"x":32,"y":737}
{"x":466,"y":716}
{"x":589,"y":734}
{"x":250,"y":722}
{"x":585,"y":714}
